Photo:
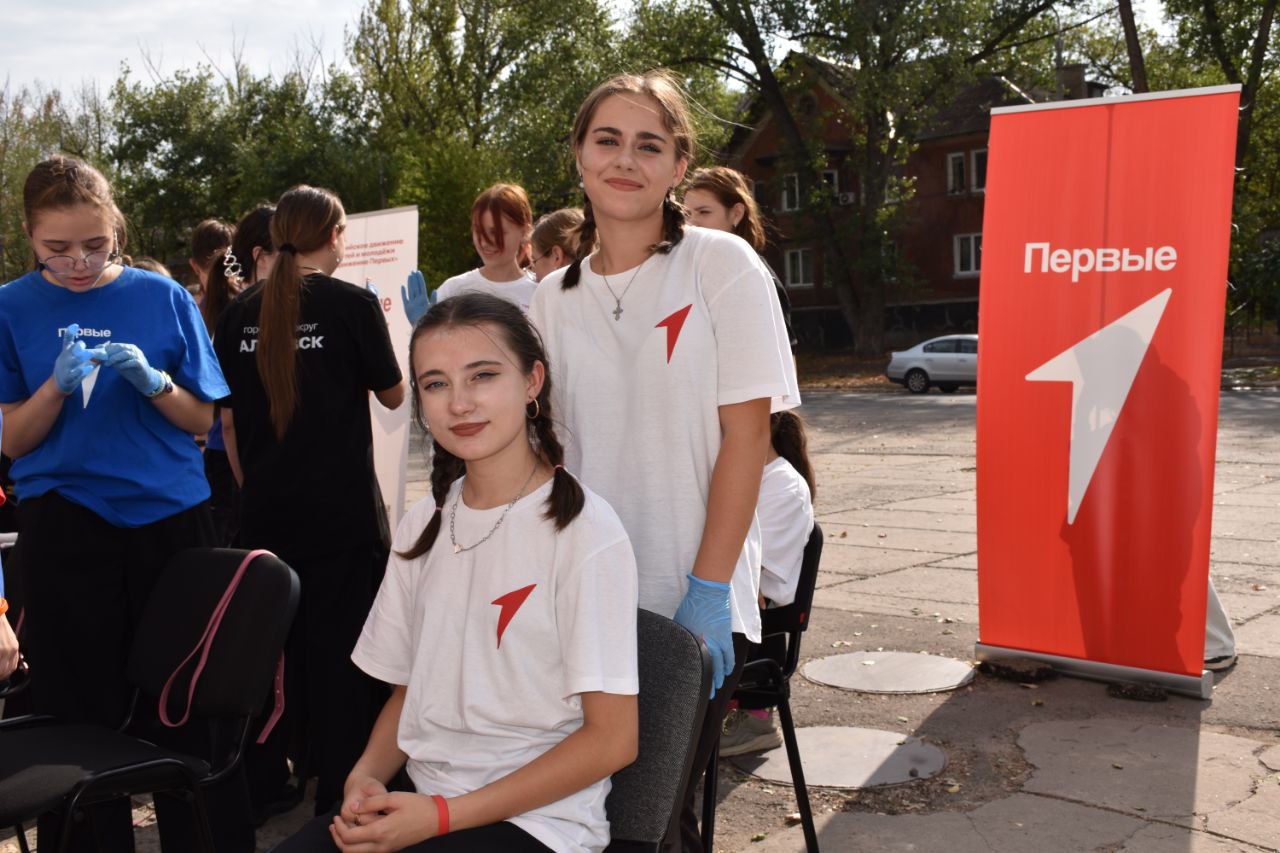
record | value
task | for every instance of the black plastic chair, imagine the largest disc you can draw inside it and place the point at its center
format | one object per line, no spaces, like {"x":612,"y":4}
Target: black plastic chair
{"x":675,"y":682}
{"x":766,"y":683}
{"x":49,"y":766}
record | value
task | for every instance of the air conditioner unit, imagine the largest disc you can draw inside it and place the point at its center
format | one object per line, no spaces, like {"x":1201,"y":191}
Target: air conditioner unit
{"x":847,"y":198}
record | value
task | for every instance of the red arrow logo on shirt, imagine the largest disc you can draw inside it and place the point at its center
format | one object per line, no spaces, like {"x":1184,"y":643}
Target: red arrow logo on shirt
{"x":674,"y":324}
{"x":510,"y":603}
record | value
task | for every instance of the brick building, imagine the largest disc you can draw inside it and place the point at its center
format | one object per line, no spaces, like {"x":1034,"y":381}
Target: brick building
{"x":942,"y":232}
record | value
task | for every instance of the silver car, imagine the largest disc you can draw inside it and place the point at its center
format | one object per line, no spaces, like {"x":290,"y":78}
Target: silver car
{"x":947,"y":362}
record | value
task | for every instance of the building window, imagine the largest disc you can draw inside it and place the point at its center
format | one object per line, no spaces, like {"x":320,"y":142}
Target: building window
{"x":799,"y":267}
{"x":979,"y":170}
{"x":832,"y":177}
{"x":791,"y":191}
{"x":967,"y":250}
{"x":955,"y":173}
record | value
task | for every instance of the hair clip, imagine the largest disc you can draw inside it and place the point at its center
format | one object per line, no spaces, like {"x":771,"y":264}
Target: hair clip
{"x":230,"y":265}
{"x":289,"y":247}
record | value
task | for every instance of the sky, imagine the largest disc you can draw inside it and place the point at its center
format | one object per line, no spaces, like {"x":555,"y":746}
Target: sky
{"x":64,"y":43}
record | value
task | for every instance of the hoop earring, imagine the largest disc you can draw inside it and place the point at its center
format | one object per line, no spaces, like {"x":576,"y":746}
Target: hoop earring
{"x":537,"y":409}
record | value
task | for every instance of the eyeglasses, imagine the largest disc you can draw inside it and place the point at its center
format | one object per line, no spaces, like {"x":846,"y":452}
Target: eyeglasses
{"x":94,"y":262}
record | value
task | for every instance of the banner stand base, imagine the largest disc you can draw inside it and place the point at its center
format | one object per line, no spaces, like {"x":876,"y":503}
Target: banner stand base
{"x":1187,"y":685}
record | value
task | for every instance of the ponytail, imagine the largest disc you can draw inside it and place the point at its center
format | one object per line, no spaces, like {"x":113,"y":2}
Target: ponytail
{"x":303,"y":221}
{"x":790,"y":441}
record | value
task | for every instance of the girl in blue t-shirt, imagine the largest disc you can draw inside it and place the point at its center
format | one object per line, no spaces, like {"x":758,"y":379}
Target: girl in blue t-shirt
{"x":106,"y":373}
{"x":8,"y":640}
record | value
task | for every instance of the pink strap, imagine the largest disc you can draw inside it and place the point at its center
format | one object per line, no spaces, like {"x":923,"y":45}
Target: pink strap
{"x":206,"y":642}
{"x":277,"y":691}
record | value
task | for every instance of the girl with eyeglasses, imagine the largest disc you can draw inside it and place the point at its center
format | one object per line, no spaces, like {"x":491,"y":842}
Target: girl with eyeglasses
{"x":555,"y":241}
{"x":106,"y":373}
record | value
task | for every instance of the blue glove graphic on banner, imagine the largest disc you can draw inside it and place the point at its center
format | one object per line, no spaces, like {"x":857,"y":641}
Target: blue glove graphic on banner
{"x":414,"y":296}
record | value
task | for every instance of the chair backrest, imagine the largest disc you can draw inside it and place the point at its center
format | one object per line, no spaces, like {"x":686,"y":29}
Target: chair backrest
{"x":237,"y":675}
{"x":791,"y":620}
{"x":675,"y":682}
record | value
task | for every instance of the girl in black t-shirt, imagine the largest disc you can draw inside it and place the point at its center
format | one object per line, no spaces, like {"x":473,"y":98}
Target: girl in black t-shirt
{"x":301,"y":352}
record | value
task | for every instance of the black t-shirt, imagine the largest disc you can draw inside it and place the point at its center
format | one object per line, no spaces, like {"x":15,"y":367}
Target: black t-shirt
{"x":316,"y":489}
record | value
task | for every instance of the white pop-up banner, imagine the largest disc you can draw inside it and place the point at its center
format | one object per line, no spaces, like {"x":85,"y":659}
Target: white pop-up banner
{"x":382,"y":249}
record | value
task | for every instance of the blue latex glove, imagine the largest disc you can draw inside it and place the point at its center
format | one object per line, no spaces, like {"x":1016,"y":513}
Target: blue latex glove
{"x":705,"y":611}
{"x":130,"y":362}
{"x":75,"y":361}
{"x":414,"y":296}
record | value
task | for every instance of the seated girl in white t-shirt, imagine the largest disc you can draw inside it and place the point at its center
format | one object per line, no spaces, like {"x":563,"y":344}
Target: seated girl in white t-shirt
{"x":785,"y":509}
{"x":501,"y":224}
{"x":511,"y":644}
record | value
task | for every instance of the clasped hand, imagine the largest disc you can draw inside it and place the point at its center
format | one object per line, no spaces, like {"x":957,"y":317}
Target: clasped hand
{"x":373,"y":820}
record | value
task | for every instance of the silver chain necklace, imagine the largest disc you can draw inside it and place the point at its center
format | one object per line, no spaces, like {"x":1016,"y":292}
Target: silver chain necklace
{"x":453,"y":515}
{"x":617,"y":300}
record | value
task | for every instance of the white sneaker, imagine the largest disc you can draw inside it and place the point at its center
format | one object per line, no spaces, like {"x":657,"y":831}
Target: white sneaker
{"x":1220,"y":663}
{"x":744,"y":732}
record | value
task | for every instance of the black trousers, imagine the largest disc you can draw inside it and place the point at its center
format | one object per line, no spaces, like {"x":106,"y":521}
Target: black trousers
{"x":502,"y":837}
{"x":690,"y":837}
{"x":86,"y":582}
{"x":330,"y":704}
{"x":224,"y":496}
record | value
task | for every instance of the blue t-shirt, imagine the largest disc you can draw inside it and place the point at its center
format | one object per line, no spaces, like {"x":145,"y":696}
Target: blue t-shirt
{"x":110,"y":449}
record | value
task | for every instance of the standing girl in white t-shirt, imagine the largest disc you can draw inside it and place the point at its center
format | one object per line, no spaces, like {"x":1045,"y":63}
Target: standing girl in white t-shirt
{"x":511,"y":644}
{"x":669,"y":352}
{"x":501,"y":223}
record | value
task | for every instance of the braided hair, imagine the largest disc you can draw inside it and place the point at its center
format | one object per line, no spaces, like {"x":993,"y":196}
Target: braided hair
{"x":661,"y":86}
{"x":482,"y":309}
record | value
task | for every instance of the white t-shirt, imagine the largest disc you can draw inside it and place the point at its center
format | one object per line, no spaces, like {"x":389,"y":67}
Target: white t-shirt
{"x":496,"y":644}
{"x":785,"y":510}
{"x":520,"y":291}
{"x":639,"y":396}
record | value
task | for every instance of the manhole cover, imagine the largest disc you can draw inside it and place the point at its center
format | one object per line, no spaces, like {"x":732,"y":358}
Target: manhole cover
{"x":846,"y":757}
{"x":889,"y":672}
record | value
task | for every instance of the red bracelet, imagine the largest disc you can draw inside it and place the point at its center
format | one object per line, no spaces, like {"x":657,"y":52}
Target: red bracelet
{"x":442,"y":814}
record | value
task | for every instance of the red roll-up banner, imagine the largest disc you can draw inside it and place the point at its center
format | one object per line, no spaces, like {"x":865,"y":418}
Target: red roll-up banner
{"x":1104,"y":266}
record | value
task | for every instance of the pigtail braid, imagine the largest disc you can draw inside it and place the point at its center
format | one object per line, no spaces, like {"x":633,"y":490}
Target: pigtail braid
{"x":566,"y":499}
{"x":445,"y":470}
{"x":673,"y":220}
{"x":585,"y":240}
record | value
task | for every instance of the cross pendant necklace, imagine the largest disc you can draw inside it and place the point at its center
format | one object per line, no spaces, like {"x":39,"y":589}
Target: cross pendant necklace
{"x":617,"y":299}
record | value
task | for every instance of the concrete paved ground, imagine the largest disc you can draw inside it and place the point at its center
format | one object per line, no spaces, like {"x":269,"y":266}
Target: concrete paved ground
{"x":1061,"y":767}
{"x":1058,"y":767}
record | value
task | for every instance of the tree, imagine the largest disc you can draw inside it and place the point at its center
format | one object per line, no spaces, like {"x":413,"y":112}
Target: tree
{"x":34,"y":124}
{"x":905,"y":60}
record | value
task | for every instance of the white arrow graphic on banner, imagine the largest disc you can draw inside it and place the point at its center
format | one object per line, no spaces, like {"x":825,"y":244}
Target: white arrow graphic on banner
{"x":86,"y":384}
{"x":1101,"y":369}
